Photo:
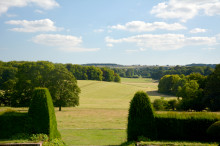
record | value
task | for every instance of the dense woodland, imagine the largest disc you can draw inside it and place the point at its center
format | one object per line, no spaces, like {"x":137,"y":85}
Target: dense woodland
{"x":157,"y":72}
{"x":197,"y":91}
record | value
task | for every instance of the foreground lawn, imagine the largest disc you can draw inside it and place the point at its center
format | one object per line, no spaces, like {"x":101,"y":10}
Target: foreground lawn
{"x":93,"y":136}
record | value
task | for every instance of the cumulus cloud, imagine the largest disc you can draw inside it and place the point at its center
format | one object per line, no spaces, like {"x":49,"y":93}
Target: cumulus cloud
{"x":186,"y":9}
{"x":45,"y":4}
{"x":164,"y":41}
{"x":197,"y":30}
{"x":63,"y":42}
{"x":141,"y":26}
{"x":33,"y":26}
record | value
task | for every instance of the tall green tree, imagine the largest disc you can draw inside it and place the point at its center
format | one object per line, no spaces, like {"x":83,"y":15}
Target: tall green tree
{"x":63,"y":87}
{"x":212,"y":90}
{"x":61,"y":83}
{"x":7,"y":83}
{"x":167,"y":84}
{"x":108,"y":74}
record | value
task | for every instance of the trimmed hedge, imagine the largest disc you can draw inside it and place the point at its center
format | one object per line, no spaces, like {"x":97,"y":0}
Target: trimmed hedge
{"x":185,"y":126}
{"x":141,"y":118}
{"x":214,"y":130}
{"x":41,"y":114}
{"x":12,"y":123}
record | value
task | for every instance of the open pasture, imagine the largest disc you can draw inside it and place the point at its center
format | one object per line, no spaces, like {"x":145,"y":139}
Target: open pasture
{"x":101,"y":118}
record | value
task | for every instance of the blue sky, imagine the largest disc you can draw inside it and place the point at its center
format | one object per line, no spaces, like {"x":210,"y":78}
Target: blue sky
{"x":161,"y":32}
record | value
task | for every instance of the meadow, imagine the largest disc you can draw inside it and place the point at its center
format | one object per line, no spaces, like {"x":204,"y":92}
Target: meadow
{"x":101,"y":117}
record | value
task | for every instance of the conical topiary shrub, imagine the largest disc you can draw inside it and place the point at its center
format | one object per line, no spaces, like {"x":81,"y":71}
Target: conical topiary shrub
{"x":141,"y":120}
{"x":41,"y":114}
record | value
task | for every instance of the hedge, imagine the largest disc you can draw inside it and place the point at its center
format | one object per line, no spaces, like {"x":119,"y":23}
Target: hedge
{"x":184,"y":126}
{"x":41,"y":114}
{"x":12,"y":123}
{"x":214,"y":130}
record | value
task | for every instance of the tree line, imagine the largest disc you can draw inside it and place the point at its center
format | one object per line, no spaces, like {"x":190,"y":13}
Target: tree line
{"x":197,"y":92}
{"x":157,"y":72}
{"x":18,"y":80}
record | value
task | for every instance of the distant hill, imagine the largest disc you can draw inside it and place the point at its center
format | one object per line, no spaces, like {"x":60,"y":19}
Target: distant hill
{"x":114,"y":65}
{"x":103,"y":65}
{"x":194,"y":64}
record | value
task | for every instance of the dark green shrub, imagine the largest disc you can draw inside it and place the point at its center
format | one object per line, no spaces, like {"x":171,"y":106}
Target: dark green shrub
{"x":214,"y":130}
{"x":141,"y":120}
{"x":41,"y":114}
{"x":12,"y":123}
{"x":184,"y":126}
{"x":160,"y":104}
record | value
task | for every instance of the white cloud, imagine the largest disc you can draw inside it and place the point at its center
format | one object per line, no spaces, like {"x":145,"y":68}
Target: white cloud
{"x":33,"y":26}
{"x":63,"y":42}
{"x":186,"y":9}
{"x":45,"y":4}
{"x":197,"y":30}
{"x":164,"y":41}
{"x":140,"y":26}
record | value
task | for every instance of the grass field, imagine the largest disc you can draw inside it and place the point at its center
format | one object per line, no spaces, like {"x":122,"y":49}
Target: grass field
{"x":101,"y":118}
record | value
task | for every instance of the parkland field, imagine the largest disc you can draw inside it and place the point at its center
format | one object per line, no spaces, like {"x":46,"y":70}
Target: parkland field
{"x":101,"y":117}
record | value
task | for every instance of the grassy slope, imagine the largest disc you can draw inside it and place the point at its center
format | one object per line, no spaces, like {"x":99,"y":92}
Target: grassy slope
{"x":101,"y":118}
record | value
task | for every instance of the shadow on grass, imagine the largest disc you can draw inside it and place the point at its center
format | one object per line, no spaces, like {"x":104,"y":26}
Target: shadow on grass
{"x":156,"y":93}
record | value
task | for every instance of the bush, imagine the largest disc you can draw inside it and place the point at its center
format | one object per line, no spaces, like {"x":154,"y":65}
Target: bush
{"x":214,"y":130}
{"x":160,"y":104}
{"x":140,"y":118}
{"x":184,"y":126}
{"x":12,"y":123}
{"x":41,"y":114}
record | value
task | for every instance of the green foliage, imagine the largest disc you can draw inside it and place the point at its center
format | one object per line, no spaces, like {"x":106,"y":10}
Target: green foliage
{"x":214,"y":130}
{"x":39,"y":137}
{"x":117,"y":78}
{"x":212,"y":90}
{"x":172,"y":104}
{"x":54,"y":142}
{"x":60,"y":82}
{"x":140,"y":118}
{"x":160,"y":104}
{"x":184,"y":126}
{"x":7,"y":83}
{"x":63,"y":88}
{"x":167,"y":84}
{"x":12,"y":123}
{"x":108,"y":74}
{"x":42,"y":115}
